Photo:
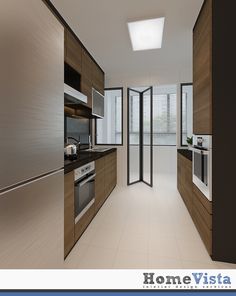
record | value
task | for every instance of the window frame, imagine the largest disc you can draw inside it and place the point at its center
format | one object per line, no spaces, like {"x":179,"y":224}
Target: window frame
{"x":168,"y":95}
{"x":181,"y":112}
{"x":122,"y":118}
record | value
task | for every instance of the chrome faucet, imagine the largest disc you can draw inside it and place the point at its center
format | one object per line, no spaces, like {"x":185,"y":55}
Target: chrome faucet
{"x":90,"y":142}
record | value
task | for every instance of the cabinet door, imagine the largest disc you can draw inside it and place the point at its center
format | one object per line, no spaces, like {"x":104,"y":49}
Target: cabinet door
{"x":202,"y":71}
{"x":31,"y":224}
{"x":99,"y":183}
{"x":69,"y":221}
{"x":98,"y":79}
{"x":114,"y":170}
{"x":110,"y":173}
{"x":73,"y":52}
{"x":202,"y":217}
{"x":86,"y":77}
{"x":185,"y":181}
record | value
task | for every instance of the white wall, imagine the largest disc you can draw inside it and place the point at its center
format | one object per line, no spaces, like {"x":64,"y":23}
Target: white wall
{"x":165,"y":157}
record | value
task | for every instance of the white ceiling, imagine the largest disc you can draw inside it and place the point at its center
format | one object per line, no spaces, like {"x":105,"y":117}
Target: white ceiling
{"x":102,"y":27}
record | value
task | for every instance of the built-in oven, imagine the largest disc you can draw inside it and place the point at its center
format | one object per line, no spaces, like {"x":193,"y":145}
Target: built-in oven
{"x":84,"y":185}
{"x":202,"y":164}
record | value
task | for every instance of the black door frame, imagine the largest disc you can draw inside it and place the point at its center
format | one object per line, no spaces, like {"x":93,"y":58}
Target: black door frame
{"x":141,"y":144}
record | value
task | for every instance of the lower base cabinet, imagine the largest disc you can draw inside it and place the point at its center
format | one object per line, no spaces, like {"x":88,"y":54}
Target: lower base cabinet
{"x":105,"y":181}
{"x":106,"y":178}
{"x":199,"y":207}
{"x":185,"y":184}
{"x":202,"y":217}
{"x":82,"y":224}
{"x":69,"y":220}
{"x":99,"y":183}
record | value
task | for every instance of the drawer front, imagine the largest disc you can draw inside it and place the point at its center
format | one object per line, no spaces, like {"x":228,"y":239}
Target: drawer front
{"x":204,"y":231}
{"x":201,"y":197}
{"x":206,"y":217}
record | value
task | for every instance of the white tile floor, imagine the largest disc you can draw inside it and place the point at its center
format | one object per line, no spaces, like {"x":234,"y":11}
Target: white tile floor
{"x":141,"y":227}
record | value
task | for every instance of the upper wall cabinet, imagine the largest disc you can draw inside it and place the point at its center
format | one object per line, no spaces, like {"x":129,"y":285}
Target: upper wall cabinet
{"x":86,"y":77}
{"x":98,"y":78}
{"x":78,"y":58}
{"x":73,"y":53}
{"x":202,"y":71}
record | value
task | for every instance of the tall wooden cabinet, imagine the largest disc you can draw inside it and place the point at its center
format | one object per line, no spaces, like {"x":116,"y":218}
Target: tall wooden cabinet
{"x":202,"y":72}
{"x":214,"y":67}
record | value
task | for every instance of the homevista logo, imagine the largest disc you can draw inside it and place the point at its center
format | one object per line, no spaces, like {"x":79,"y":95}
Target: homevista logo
{"x":195,"y":279}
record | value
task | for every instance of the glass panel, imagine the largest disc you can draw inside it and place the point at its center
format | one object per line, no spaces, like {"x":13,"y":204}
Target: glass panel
{"x":205,"y":167}
{"x":134,"y":136}
{"x":109,"y":129}
{"x":198,"y":165}
{"x":147,"y":137}
{"x":187,"y":113}
{"x":164,"y":115}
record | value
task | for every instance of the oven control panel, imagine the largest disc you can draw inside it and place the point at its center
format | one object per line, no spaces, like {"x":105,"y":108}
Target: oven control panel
{"x":84,"y":170}
{"x":202,"y":141}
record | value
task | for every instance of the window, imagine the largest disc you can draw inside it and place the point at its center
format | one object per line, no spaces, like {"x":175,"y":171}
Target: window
{"x":109,"y":130}
{"x":186,"y":112}
{"x":164,"y":117}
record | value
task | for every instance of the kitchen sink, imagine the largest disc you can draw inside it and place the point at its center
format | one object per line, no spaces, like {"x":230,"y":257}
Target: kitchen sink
{"x":98,"y":149}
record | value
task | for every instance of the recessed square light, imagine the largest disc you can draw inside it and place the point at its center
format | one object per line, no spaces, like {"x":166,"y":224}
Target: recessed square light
{"x":146,"y":34}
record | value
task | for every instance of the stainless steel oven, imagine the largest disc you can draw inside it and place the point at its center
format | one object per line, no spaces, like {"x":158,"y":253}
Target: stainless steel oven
{"x":84,"y":189}
{"x":202,"y":164}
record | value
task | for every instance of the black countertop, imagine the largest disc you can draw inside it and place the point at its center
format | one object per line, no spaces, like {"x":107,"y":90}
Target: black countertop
{"x":186,"y":153}
{"x":84,"y":157}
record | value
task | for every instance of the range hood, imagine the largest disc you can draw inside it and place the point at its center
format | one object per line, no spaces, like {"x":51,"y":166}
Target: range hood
{"x":73,"y":97}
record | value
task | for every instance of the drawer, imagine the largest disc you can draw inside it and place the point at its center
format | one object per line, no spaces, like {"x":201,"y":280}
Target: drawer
{"x":204,"y":231}
{"x":205,"y":215}
{"x":201,"y":197}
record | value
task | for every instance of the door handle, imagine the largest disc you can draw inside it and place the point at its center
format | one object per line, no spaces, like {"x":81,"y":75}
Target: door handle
{"x":87,"y":180}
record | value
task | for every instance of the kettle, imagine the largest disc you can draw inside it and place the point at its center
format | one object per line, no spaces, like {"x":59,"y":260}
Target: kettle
{"x":70,"y":151}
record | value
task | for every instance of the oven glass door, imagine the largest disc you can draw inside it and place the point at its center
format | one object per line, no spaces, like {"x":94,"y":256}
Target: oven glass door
{"x":198,"y":165}
{"x":201,"y":166}
{"x":205,"y":169}
{"x":84,"y":194}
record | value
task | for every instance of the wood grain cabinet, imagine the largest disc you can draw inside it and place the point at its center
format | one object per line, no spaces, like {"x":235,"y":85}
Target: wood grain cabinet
{"x":202,"y":71}
{"x":110,"y":172}
{"x":184,"y":183}
{"x":106,"y":178}
{"x":98,"y":78}
{"x":86,"y":76}
{"x":99,"y":183}
{"x":69,"y":220}
{"x":73,"y":54}
{"x":202,"y":217}
{"x":105,"y":181}
{"x":199,"y":207}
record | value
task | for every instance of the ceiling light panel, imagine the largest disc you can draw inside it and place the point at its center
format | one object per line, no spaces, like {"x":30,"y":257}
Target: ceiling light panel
{"x":146,"y":34}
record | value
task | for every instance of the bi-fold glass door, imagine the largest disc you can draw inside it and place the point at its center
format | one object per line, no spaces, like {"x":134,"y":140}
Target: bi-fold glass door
{"x":140,"y":136}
